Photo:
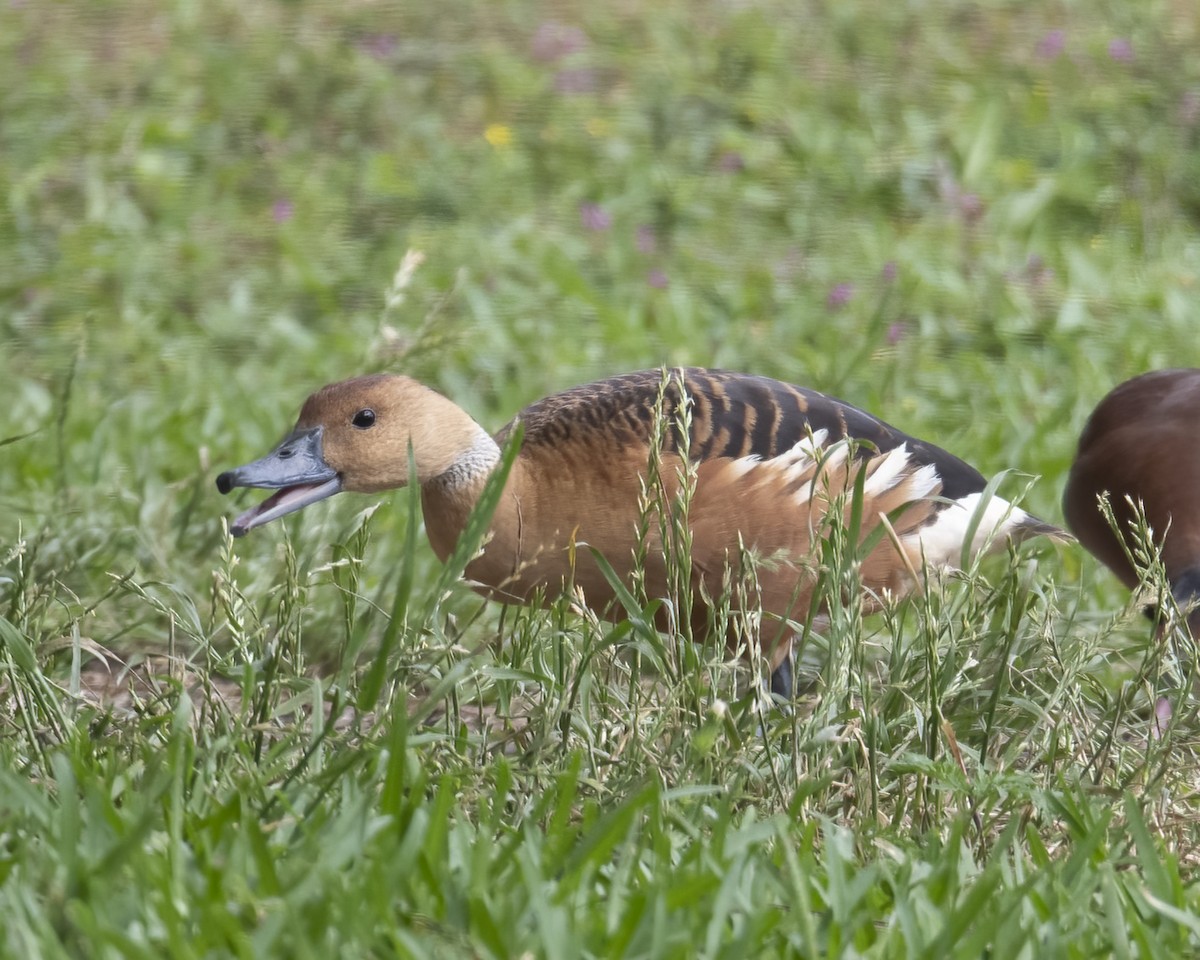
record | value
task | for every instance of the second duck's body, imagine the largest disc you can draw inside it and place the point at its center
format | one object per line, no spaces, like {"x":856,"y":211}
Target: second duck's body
{"x":767,"y":463}
{"x":1137,"y":451}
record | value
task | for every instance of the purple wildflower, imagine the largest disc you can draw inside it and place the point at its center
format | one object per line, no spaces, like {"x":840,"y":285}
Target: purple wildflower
{"x":966,"y":204}
{"x":647,"y":239}
{"x":657,"y":279}
{"x":896,"y":332}
{"x":552,"y":41}
{"x":970,"y":207}
{"x":594,"y":217}
{"x":888,"y":273}
{"x":575,"y":80}
{"x":282,"y":211}
{"x":381,"y":46}
{"x":731,"y":162}
{"x":1052,"y":44}
{"x":1037,"y":274}
{"x":1120,"y":50}
{"x":839,"y":296}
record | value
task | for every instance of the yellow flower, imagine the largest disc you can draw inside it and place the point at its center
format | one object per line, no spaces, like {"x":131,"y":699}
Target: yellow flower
{"x":498,"y":135}
{"x":598,"y":127}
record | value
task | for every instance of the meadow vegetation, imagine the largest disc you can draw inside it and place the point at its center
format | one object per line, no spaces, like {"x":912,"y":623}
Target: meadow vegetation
{"x":972,"y":218}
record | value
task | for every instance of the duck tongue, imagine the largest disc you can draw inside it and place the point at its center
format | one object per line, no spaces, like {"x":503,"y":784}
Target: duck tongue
{"x":282,"y":502}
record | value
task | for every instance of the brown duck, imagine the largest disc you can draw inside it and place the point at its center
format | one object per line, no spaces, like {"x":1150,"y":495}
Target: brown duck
{"x":1139,"y":445}
{"x":770,"y":461}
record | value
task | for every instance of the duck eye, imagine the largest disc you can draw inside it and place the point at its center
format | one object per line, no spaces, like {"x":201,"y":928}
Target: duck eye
{"x":364,"y":419}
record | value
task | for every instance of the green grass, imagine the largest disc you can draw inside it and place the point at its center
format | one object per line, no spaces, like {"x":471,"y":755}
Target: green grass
{"x":970,"y":218}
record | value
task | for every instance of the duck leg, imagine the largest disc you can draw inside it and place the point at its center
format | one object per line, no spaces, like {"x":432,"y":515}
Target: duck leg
{"x":1186,"y":589}
{"x":782,"y":681}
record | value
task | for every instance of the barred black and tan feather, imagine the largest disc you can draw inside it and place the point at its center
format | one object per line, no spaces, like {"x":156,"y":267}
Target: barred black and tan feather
{"x":733,"y":415}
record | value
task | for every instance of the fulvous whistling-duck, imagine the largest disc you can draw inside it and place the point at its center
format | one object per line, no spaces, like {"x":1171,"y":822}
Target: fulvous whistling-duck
{"x":1139,"y":445}
{"x":770,"y":460}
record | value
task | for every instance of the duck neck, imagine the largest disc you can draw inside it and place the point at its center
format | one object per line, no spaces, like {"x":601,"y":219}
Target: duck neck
{"x":448,"y":499}
{"x":470,"y":469}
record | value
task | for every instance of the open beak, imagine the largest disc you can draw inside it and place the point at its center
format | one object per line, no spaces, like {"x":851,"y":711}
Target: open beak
{"x":296,"y":469}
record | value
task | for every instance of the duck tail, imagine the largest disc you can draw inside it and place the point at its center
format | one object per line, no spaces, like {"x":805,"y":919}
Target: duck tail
{"x":1030,"y":526}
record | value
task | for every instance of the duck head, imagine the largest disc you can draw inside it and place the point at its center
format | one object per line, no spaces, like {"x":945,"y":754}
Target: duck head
{"x":355,"y":436}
